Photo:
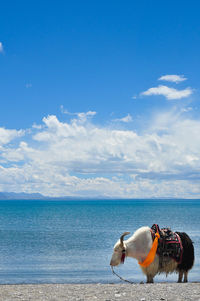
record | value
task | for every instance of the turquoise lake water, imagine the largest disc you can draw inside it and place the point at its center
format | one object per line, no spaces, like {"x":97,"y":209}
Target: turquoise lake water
{"x":72,"y":242}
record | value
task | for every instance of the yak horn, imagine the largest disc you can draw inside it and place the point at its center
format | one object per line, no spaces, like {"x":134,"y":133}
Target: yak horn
{"x":122,"y":237}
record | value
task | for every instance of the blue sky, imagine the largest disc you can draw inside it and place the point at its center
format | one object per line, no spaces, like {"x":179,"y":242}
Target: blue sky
{"x":100,"y":98}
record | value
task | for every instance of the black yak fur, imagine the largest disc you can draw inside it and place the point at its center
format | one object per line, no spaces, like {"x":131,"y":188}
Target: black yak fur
{"x":187,"y":257}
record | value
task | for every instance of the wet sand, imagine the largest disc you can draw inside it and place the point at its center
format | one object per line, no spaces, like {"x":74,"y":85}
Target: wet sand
{"x":102,"y":292}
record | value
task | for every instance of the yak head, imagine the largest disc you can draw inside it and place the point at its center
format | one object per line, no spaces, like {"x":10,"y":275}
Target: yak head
{"x":119,"y":252}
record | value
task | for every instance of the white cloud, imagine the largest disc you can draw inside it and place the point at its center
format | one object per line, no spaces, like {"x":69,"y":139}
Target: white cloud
{"x":7,"y":135}
{"x":168,"y":93}
{"x":83,"y":116}
{"x":37,"y":126}
{"x":1,"y":47}
{"x":128,"y":118}
{"x":75,"y":158}
{"x":173,"y":78}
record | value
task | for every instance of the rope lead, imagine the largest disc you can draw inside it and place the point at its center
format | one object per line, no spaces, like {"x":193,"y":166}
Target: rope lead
{"x":120,"y":276}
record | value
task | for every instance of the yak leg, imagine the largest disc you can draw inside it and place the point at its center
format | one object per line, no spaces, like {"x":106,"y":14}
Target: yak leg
{"x":185,"y":277}
{"x":180,"y":276}
{"x":149,"y":279}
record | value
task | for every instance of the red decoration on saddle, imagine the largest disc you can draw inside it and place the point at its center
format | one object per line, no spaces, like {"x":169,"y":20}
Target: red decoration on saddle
{"x":169,"y":244}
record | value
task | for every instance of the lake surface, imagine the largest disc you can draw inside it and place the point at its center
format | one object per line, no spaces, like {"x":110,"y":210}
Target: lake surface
{"x":72,"y":241}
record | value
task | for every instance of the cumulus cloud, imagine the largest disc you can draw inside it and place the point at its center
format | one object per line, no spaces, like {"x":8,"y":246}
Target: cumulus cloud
{"x":74,"y":158}
{"x":7,"y":135}
{"x":83,"y":116}
{"x":1,"y":47}
{"x":128,"y":118}
{"x":173,"y":78}
{"x":167,"y":92}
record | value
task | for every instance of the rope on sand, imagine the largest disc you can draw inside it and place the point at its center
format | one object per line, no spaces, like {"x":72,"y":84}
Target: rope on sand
{"x":120,"y":276}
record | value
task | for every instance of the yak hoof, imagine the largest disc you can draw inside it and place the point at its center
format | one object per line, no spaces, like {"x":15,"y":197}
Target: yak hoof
{"x":149,"y":279}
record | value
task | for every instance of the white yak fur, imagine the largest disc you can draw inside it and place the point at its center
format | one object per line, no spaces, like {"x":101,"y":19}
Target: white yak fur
{"x":138,"y":247}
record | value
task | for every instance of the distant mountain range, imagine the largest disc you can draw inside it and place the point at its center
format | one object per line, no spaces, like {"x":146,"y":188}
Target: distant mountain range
{"x":4,"y":196}
{"x":21,"y":196}
{"x":37,"y":196}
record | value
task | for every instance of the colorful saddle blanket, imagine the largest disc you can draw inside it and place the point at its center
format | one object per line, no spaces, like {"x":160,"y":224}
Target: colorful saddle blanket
{"x":169,"y":243}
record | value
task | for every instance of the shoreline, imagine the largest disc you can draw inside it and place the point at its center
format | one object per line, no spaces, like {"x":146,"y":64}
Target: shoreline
{"x":102,"y":292}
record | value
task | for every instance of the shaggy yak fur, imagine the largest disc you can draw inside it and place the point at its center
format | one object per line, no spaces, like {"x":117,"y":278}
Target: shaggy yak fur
{"x":138,"y":246}
{"x":187,"y":257}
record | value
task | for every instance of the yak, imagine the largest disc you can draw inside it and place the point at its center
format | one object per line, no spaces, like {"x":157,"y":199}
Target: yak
{"x":174,"y":251}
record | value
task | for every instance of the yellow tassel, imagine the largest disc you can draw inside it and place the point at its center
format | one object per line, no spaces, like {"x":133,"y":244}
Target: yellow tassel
{"x":152,"y":253}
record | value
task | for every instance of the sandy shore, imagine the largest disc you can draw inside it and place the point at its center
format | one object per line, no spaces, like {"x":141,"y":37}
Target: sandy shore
{"x":104,"y":292}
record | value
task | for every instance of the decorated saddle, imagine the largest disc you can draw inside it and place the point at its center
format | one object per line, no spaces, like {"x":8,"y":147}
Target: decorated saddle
{"x":169,"y":244}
